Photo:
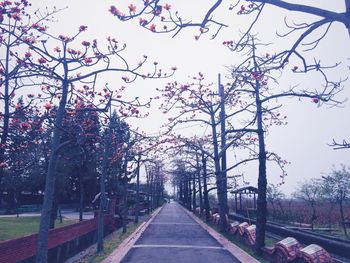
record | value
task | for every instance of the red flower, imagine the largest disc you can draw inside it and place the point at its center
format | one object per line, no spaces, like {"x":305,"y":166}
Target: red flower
{"x":64,"y":38}
{"x":167,"y":7}
{"x":57,"y":49}
{"x":86,"y":43}
{"x":29,"y":40}
{"x":87,"y":60}
{"x":26,"y":125}
{"x":47,"y":105}
{"x":142,"y":22}
{"x":114,"y":11}
{"x":126,"y":79}
{"x":16,"y":17}
{"x":315,"y":100}
{"x":152,"y":27}
{"x":132,"y":8}
{"x":42,"y":60}
{"x":82,"y":28}
{"x":28,"y":54}
{"x":295,"y":68}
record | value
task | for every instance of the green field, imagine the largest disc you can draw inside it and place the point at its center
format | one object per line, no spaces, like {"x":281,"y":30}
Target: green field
{"x":13,"y":227}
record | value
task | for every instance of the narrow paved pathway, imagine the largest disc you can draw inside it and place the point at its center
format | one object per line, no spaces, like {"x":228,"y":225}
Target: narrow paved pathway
{"x":174,"y":237}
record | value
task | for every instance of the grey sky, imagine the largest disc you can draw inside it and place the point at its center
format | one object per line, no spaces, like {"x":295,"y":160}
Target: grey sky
{"x":303,"y":141}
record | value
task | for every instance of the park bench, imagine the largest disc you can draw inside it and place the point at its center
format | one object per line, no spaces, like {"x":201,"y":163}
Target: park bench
{"x":313,"y":253}
{"x":233,"y":227}
{"x":242,"y":227}
{"x":216,"y":219}
{"x":249,"y":235}
{"x":286,"y":250}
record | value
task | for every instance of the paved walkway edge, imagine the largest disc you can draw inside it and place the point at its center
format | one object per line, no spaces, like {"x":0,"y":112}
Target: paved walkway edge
{"x":119,"y":253}
{"x":238,"y":253}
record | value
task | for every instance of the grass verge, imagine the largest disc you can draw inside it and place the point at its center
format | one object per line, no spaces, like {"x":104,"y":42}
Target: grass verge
{"x":14,"y":227}
{"x":111,"y":242}
{"x":231,"y":238}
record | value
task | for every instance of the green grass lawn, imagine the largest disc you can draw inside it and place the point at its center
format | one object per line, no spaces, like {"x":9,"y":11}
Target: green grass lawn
{"x":13,"y":227}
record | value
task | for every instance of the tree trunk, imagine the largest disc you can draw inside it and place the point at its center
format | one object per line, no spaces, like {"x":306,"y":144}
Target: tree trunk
{"x":222,"y":196}
{"x":16,"y":202}
{"x":313,"y":216}
{"x":347,"y":7}
{"x":53,"y":215}
{"x":125,"y":205}
{"x":100,"y":215}
{"x":43,"y":234}
{"x":262,"y":180}
{"x":189,"y":200}
{"x":81,"y":199}
{"x":200,"y":191}
{"x":137,"y":203}
{"x":343,"y":218}
{"x":6,"y":114}
{"x":205,"y":190}
{"x":223,"y":145}
{"x":194,"y":202}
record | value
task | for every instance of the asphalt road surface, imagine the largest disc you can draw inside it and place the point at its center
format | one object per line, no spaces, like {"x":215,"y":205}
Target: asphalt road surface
{"x":174,"y":237}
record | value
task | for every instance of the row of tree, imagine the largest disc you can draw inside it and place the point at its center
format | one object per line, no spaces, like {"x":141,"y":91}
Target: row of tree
{"x":332,"y":189}
{"x":77,"y":135}
{"x":59,"y":134}
{"x":240,"y":114}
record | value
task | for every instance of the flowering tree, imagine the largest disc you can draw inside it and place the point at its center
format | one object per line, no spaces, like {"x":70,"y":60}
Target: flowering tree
{"x":254,"y":80}
{"x":199,"y":104}
{"x":14,"y":74}
{"x":22,"y":152}
{"x":78,"y":163}
{"x":159,"y":16}
{"x":68,"y":69}
{"x":156,"y":177}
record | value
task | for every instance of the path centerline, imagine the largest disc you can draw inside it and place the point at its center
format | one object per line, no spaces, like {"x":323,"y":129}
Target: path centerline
{"x":178,"y":246}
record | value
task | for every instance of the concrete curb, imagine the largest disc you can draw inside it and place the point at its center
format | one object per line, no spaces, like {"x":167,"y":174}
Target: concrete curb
{"x":238,"y":253}
{"x":120,"y":252}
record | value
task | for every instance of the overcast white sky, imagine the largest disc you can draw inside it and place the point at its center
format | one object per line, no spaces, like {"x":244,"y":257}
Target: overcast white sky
{"x":303,"y":141}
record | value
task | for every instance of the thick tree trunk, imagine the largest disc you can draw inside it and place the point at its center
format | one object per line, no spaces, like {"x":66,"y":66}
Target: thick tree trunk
{"x":100,"y":215}
{"x":222,"y":195}
{"x":43,"y":234}
{"x":223,"y":145}
{"x":53,"y":215}
{"x":262,"y":180}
